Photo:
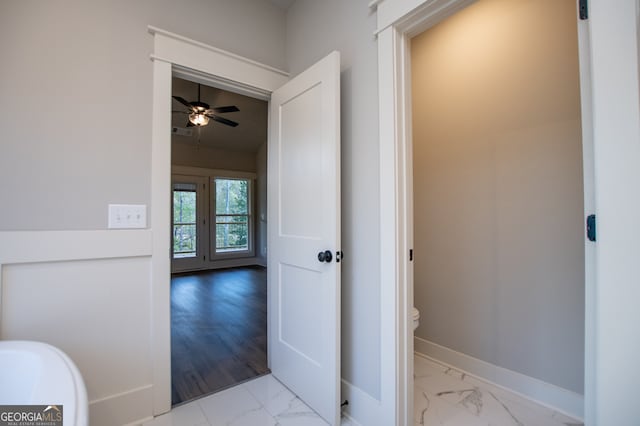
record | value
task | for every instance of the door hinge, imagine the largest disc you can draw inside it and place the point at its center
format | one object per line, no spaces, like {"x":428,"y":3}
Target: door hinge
{"x":339,"y":256}
{"x":410,"y":255}
{"x":591,"y":227}
{"x":583,"y":9}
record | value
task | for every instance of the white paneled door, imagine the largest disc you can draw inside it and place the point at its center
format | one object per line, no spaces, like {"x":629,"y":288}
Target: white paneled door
{"x":304,"y":236}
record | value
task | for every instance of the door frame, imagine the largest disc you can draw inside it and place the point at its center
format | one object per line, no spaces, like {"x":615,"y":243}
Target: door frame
{"x":398,"y":22}
{"x":174,"y":55}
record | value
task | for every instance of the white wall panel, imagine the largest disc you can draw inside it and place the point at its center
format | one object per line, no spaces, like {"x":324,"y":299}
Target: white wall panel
{"x":97,"y":311}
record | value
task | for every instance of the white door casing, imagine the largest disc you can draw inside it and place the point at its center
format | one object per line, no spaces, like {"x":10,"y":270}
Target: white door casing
{"x":304,"y":220}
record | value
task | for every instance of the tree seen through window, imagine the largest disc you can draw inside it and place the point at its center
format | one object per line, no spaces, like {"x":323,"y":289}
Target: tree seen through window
{"x":232,"y":215}
{"x":184,"y":223}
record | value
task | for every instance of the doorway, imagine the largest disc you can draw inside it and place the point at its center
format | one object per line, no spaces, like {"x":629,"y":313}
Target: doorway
{"x":219,"y":245}
{"x":498,"y":198}
{"x":304,"y":119}
{"x":396,"y":29}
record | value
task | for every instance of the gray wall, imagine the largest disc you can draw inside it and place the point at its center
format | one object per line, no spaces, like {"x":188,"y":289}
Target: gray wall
{"x":190,"y":154}
{"x":314,"y":29}
{"x":499,"y":271}
{"x":76,"y":98}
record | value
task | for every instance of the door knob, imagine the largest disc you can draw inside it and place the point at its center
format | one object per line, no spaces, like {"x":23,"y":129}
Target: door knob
{"x":325,"y":256}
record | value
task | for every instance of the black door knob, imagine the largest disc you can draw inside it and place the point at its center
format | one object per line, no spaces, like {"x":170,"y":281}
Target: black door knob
{"x":325,"y":256}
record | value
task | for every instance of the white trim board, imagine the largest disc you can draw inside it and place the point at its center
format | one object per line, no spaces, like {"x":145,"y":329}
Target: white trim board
{"x":199,"y":61}
{"x":543,"y":393}
{"x":403,"y":14}
{"x":56,"y":246}
{"x":396,"y":348}
{"x":183,"y":42}
{"x":18,"y":247}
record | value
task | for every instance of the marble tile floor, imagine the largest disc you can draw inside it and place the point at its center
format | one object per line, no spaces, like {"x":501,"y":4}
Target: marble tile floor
{"x":445,"y":396}
{"x":259,"y":402}
{"x":442,"y":396}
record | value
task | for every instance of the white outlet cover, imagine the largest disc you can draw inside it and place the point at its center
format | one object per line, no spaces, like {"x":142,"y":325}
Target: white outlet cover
{"x":127,"y":216}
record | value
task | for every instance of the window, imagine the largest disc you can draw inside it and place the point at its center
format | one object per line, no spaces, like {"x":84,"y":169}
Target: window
{"x":232,"y":201}
{"x":184,"y":220}
{"x":212,"y":221}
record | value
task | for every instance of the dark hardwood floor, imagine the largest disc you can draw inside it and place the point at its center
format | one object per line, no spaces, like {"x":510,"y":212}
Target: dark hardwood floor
{"x":218,"y":330}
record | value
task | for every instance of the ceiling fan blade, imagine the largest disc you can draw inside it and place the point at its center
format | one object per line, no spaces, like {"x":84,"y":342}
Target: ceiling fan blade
{"x":223,"y":109}
{"x":222,"y":120}
{"x":182,"y":101}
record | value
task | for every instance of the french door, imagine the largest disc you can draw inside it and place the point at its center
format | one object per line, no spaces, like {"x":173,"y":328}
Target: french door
{"x":188,"y":219}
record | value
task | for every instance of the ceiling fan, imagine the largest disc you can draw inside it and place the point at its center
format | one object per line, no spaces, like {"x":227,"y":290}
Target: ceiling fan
{"x":200,"y":112}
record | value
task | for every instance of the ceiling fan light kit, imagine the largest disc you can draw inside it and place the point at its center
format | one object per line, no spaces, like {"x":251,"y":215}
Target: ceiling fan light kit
{"x":198,"y":119}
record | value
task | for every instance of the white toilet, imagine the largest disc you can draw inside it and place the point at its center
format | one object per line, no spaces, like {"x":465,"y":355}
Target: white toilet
{"x":416,"y":318}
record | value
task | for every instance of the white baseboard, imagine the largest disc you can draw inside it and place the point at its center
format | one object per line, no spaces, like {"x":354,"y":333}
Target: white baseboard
{"x":363,"y":409}
{"x":127,"y":408}
{"x":222,"y":264}
{"x":552,"y":396}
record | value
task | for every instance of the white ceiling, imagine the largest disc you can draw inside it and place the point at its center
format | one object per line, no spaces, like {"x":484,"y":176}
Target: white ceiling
{"x":283,"y":4}
{"x":250,"y":133}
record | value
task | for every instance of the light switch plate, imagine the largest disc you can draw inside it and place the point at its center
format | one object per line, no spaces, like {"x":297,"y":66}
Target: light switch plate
{"x":127,"y":216}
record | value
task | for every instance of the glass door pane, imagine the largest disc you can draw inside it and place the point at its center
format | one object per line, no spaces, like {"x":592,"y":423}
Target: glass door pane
{"x":184,"y":220}
{"x":187,"y":223}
